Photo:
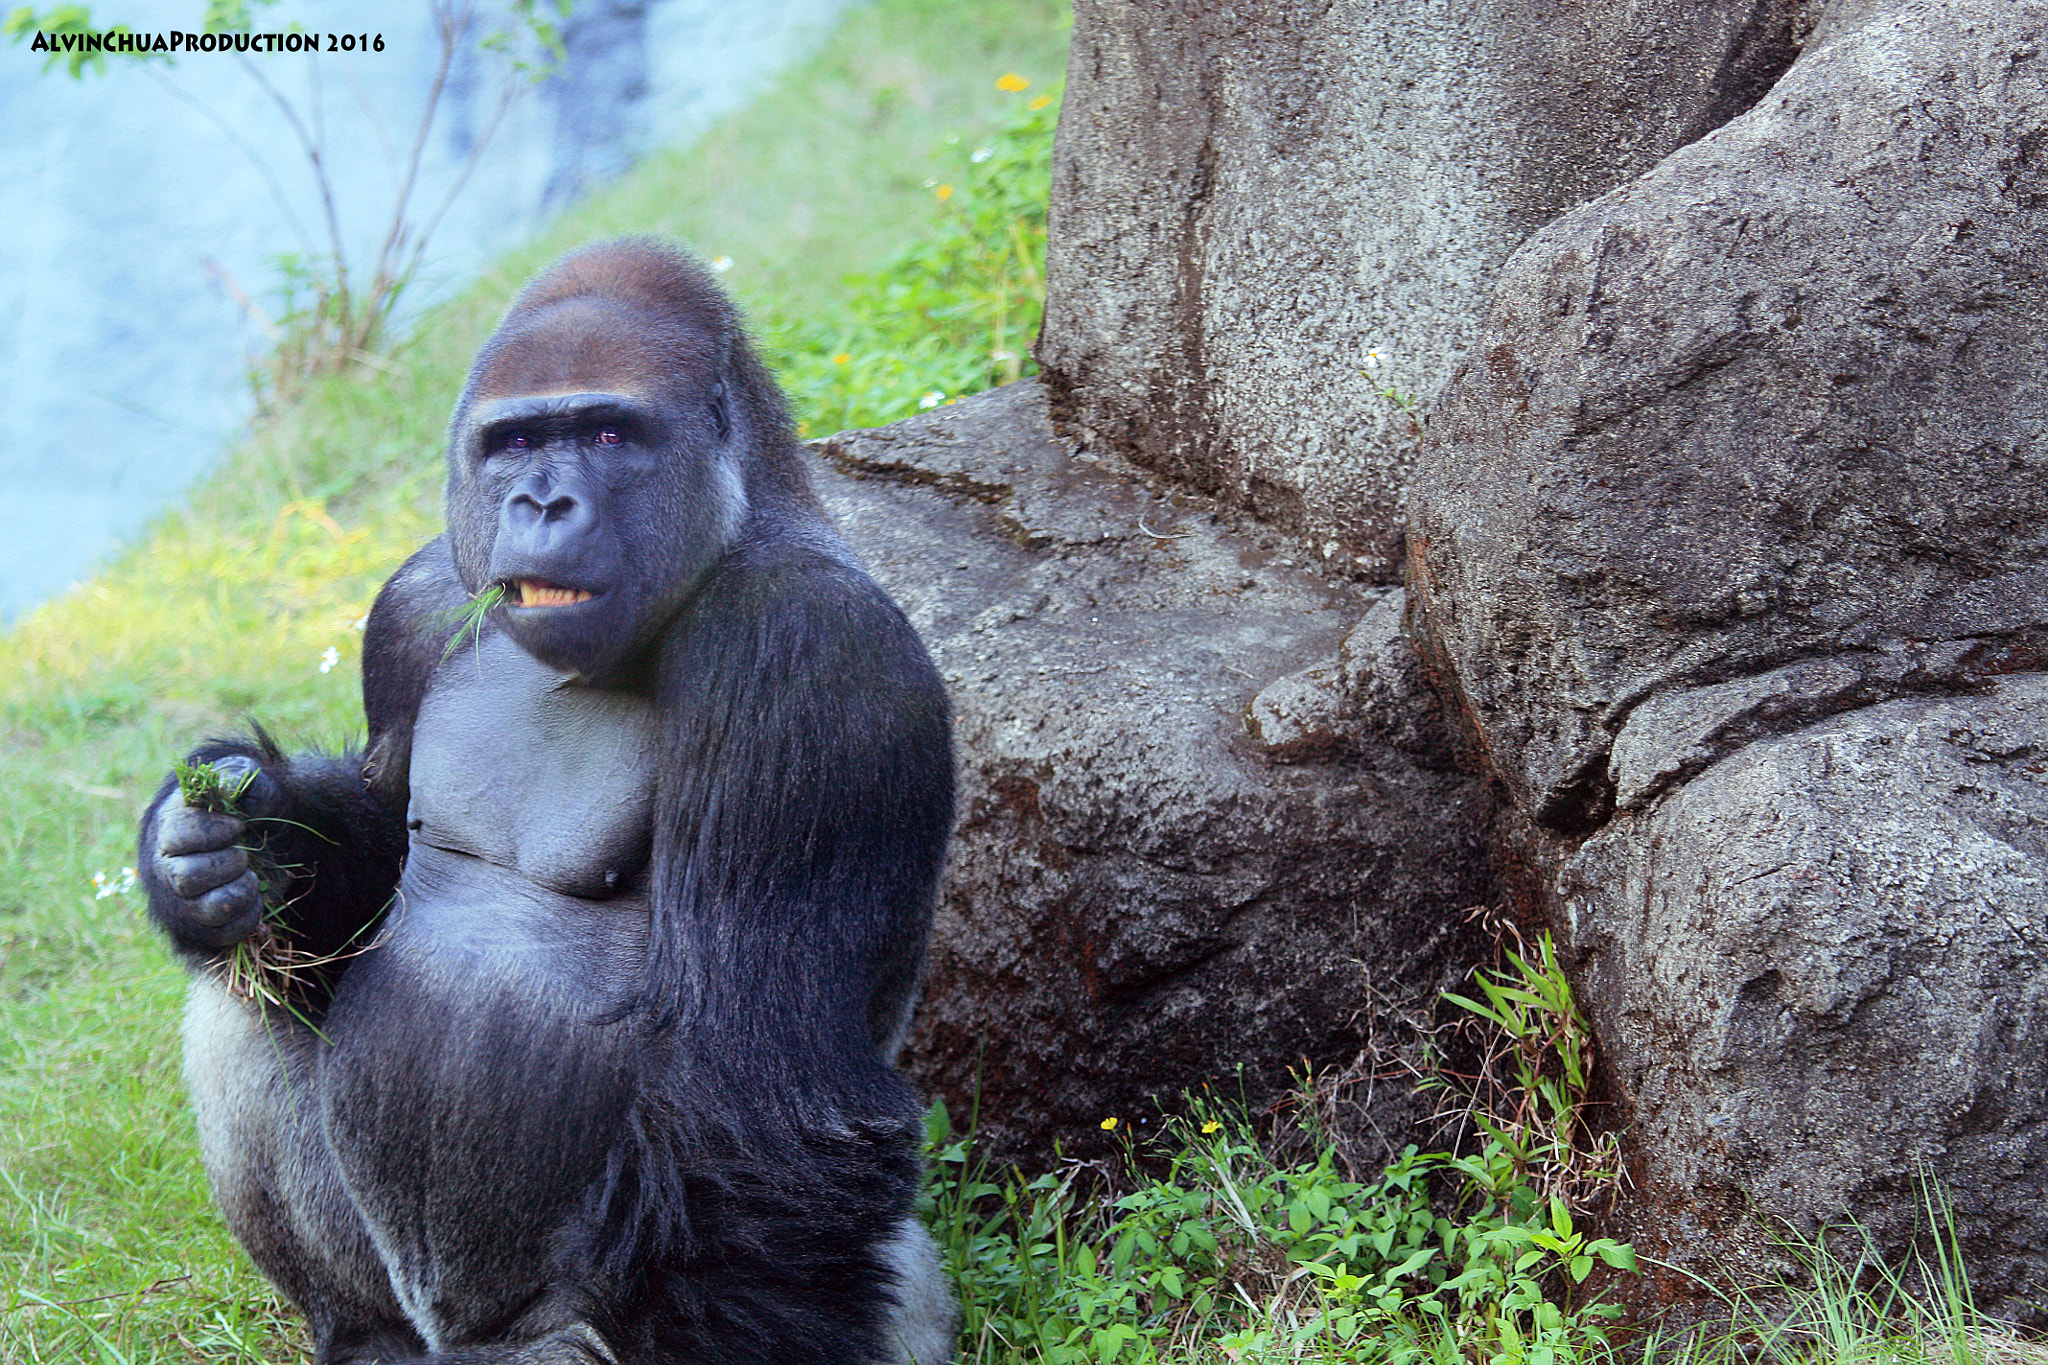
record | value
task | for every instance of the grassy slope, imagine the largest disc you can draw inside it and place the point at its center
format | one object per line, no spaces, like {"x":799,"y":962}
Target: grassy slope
{"x":225,"y":609}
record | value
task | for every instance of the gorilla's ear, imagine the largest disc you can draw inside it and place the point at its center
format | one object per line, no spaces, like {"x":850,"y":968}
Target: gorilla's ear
{"x":721,"y":413}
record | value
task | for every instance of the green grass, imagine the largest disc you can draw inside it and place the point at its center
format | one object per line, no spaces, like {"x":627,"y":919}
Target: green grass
{"x":1230,"y":1255}
{"x":110,"y":1249}
{"x":1206,"y":1246}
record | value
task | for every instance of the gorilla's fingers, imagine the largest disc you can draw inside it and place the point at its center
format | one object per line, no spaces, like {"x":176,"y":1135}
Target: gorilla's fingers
{"x":193,"y":875}
{"x":182,"y":829}
{"x":227,"y":914}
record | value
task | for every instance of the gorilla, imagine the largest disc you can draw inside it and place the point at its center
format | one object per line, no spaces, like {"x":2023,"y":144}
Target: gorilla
{"x":605,"y":943}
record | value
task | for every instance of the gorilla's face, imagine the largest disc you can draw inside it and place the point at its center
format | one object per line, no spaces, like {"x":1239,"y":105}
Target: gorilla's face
{"x":592,"y":513}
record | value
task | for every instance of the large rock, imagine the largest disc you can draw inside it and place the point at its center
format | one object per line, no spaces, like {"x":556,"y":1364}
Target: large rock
{"x":1782,"y":397}
{"x":1206,"y":834}
{"x":1248,"y":197}
{"x":1729,"y":537}
{"x":1821,"y":971}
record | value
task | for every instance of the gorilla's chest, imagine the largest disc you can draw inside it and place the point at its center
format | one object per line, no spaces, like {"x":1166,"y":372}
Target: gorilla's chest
{"x":549,"y":780}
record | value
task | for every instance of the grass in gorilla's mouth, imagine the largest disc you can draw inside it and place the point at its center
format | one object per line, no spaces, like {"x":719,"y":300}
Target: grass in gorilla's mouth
{"x":536,"y":592}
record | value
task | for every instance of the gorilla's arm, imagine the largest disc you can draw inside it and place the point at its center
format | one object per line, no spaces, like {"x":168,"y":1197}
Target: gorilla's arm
{"x":415,"y":622}
{"x":315,"y":842}
{"x":801,"y":817}
{"x":801,"y":821}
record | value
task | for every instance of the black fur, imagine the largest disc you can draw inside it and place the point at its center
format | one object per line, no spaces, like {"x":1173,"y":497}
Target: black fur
{"x":614,"y":1080}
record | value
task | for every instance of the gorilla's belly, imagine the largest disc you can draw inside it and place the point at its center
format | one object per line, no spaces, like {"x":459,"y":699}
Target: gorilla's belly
{"x":471,"y":1090}
{"x":479,"y":1071}
{"x":458,"y":916}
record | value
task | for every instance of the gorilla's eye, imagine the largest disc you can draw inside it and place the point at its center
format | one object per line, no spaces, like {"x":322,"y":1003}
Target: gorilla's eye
{"x":516,"y":440}
{"x":608,"y":436}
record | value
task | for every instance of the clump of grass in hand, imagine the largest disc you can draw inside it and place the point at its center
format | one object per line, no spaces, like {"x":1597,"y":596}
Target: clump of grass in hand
{"x":267,"y":966}
{"x":207,"y":787}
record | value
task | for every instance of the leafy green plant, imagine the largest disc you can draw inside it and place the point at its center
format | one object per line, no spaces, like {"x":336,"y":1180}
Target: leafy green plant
{"x":1534,"y":1107}
{"x":954,"y":310}
{"x":1229,"y":1255}
{"x":1477,"y":1256}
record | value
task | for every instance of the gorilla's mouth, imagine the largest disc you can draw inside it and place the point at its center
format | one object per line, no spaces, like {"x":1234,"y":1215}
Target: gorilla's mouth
{"x":538,"y":592}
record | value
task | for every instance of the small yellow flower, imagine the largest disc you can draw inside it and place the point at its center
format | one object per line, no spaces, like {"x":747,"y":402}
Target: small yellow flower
{"x":842,"y":359}
{"x":1109,"y":1125}
{"x":1011,"y":82}
{"x":1210,"y":1127}
{"x":1040,"y":102}
{"x":944,"y":192}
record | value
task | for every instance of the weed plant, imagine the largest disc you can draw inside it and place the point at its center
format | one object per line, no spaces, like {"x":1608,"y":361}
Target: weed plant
{"x":1232,"y":1256}
{"x":1854,"y":1305}
{"x":1531,"y":1097}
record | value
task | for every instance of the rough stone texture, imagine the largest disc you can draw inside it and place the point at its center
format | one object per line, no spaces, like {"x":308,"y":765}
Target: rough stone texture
{"x":1144,"y":893}
{"x":1821,"y":968}
{"x":1248,"y":197}
{"x":1780,"y":398}
{"x":1731,"y":543}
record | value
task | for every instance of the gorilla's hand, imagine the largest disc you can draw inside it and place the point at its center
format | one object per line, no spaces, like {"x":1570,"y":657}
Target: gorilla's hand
{"x":208,"y":895}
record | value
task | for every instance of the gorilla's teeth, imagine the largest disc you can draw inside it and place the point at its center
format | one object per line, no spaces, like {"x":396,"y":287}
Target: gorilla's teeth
{"x":536,"y":594}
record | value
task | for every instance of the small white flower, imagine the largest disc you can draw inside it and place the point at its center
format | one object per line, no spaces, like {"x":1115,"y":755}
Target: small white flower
{"x":329,"y":657}
{"x":932,"y":399}
{"x":721,"y":263}
{"x":1373,"y":358}
{"x":105,"y":886}
{"x":361,"y":622}
{"x":1002,"y":355}
{"x":981,"y":154}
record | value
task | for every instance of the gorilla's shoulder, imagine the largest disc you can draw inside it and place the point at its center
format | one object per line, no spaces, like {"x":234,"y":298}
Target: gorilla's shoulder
{"x":424,"y":587}
{"x":416,"y":614}
{"x":803,"y":574}
{"x":803,"y":605}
